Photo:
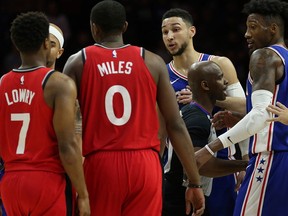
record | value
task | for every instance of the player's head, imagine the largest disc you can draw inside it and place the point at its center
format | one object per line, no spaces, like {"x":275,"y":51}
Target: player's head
{"x":30,"y":31}
{"x":177,"y":30}
{"x":206,"y":78}
{"x":266,"y":22}
{"x":107,"y":18}
{"x":57,"y":42}
{"x":178,"y":12}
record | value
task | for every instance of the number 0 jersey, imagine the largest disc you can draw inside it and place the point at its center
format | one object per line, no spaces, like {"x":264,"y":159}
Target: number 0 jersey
{"x":117,"y":100}
{"x":27,"y":137}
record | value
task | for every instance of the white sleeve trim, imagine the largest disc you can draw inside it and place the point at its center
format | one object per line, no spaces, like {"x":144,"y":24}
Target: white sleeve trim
{"x":235,"y":90}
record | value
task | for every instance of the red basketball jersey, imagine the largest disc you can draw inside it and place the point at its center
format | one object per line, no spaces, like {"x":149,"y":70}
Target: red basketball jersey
{"x":27,"y":137}
{"x":117,"y":100}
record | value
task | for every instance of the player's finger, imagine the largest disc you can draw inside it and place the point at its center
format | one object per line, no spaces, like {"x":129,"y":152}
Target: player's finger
{"x":188,"y":207}
{"x":282,"y":106}
{"x":272,"y":119}
{"x":272,"y":108}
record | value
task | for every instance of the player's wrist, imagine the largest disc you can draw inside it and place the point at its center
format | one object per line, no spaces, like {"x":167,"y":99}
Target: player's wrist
{"x":209,"y":149}
{"x":187,"y":183}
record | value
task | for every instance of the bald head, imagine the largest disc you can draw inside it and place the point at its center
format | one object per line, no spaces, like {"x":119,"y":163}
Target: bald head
{"x":206,"y":77}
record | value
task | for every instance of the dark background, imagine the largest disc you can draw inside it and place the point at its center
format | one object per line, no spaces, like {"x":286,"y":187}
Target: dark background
{"x":220,"y":27}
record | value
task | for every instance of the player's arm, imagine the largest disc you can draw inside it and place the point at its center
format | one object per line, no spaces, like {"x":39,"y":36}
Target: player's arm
{"x":61,"y":91}
{"x":175,"y":126}
{"x":265,"y":68}
{"x":176,"y":130}
{"x":236,"y":100}
{"x":162,"y":133}
{"x":73,"y":68}
{"x":216,"y":167}
{"x":199,"y":130}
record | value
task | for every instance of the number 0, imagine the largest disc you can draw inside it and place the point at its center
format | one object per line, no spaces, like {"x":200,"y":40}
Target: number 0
{"x":126,"y":102}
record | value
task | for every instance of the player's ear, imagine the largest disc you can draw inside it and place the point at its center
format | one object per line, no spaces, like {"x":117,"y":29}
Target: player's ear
{"x":204,"y":85}
{"x":60,"y":52}
{"x":192,"y":31}
{"x":125,"y":26}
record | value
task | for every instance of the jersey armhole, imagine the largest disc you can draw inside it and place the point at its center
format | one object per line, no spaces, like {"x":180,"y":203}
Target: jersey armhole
{"x":142,"y":53}
{"x":46,"y":78}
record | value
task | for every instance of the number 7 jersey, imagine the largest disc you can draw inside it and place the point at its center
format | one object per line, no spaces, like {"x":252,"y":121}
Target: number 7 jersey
{"x":27,"y":137}
{"x":117,"y":100}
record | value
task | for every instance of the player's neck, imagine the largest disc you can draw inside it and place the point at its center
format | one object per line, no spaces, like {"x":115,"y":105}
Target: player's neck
{"x":183,"y":62}
{"x":112,"y":41}
{"x":32,"y":60}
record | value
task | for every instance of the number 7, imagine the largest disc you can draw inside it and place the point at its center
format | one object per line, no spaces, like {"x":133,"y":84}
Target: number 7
{"x":25,"y":118}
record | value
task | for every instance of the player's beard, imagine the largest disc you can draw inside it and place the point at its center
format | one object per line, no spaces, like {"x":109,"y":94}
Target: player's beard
{"x":181,"y":50}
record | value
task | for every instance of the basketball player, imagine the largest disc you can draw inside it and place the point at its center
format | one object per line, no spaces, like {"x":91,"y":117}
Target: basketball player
{"x":38,"y":142}
{"x":177,"y":33}
{"x":267,"y":173}
{"x":57,"y":42}
{"x":119,"y":86}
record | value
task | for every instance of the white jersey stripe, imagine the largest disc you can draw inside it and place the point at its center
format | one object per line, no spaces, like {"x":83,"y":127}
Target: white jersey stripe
{"x":253,"y":202}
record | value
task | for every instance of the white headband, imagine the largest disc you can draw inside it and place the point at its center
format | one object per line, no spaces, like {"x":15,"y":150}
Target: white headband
{"x":57,"y":34}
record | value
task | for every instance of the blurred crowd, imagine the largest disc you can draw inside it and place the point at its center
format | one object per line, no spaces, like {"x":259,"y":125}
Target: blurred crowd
{"x":220,"y":27}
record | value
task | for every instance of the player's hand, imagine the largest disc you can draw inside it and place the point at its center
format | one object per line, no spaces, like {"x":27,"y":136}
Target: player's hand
{"x":83,"y":206}
{"x":239,"y":179}
{"x":195,"y":197}
{"x":224,"y":119}
{"x":281,"y":111}
{"x":184,"y":96}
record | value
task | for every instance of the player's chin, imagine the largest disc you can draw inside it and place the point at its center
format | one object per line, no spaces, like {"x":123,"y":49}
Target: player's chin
{"x":223,"y":97}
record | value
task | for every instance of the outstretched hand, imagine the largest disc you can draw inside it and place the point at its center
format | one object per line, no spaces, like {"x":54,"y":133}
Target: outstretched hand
{"x":224,"y":119}
{"x":281,"y":111}
{"x":195,"y":197}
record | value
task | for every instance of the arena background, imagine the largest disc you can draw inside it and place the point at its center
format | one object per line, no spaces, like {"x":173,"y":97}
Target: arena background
{"x":220,"y":27}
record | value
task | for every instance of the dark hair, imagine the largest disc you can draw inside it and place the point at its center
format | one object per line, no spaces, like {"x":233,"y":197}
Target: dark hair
{"x":271,"y":10}
{"x":109,"y":15}
{"x":29,"y":30}
{"x":178,"y":12}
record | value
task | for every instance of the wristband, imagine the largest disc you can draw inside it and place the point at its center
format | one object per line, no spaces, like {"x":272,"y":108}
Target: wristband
{"x":209,"y":150}
{"x":190,"y":185}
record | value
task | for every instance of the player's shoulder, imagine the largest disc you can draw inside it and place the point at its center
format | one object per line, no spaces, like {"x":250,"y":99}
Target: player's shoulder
{"x":59,"y":80}
{"x":221,"y":60}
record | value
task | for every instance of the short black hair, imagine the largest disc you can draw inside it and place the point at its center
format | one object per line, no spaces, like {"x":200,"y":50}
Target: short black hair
{"x":29,"y":30}
{"x":178,"y":12}
{"x":109,"y":15}
{"x":273,"y":10}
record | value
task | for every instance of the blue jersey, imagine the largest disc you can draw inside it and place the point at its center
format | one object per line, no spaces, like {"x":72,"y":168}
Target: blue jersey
{"x":273,"y":137}
{"x":259,"y":193}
